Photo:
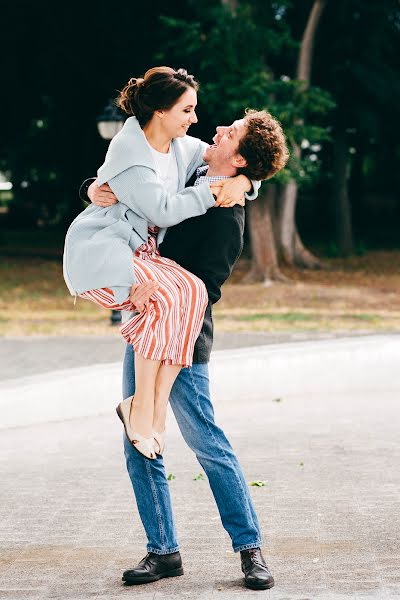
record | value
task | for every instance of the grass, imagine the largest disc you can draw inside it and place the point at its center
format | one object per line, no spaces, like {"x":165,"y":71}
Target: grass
{"x":360,"y":293}
{"x":290,"y":317}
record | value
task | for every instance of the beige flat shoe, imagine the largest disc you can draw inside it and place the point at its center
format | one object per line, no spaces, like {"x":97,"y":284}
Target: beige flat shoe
{"x":143,"y":445}
{"x":159,"y":439}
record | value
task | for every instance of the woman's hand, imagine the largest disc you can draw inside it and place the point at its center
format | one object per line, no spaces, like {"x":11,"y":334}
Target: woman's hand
{"x":101,"y":195}
{"x":231,"y":191}
{"x":141,"y":294}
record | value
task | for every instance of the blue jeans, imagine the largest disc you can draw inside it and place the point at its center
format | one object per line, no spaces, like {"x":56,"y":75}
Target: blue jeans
{"x":191,"y":404}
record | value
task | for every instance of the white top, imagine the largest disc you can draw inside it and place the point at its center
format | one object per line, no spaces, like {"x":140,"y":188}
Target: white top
{"x":167,"y":168}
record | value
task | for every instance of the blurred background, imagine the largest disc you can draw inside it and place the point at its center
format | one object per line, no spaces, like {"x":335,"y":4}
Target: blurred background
{"x":322,"y":244}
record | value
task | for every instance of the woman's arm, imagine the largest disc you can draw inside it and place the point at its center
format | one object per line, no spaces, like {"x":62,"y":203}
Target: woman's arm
{"x":139,"y":189}
{"x":231,"y":191}
{"x":228,"y":192}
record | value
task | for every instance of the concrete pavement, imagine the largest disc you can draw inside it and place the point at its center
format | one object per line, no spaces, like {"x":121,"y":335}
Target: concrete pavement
{"x":329,"y":453}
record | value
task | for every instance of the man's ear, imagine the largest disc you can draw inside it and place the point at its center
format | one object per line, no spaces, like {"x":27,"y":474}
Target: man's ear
{"x":239,"y":162}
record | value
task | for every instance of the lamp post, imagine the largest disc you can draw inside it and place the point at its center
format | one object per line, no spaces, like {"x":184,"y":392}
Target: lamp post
{"x":108,"y":125}
{"x":110,"y":121}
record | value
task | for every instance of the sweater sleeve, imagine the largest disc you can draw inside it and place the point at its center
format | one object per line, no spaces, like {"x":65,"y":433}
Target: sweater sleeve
{"x":140,"y":190}
{"x":252,"y":195}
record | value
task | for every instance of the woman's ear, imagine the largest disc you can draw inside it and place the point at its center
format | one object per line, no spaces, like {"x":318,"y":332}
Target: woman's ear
{"x":159,"y":113}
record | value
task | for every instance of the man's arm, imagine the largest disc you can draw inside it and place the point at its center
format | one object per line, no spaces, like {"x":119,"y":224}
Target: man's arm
{"x":100,"y":195}
{"x":83,"y":190}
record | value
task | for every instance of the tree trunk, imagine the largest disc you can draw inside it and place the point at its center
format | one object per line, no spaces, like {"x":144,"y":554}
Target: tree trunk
{"x":342,"y":208}
{"x":264,"y":266}
{"x":286,"y":221}
{"x":307,"y":43}
{"x":293,"y":251}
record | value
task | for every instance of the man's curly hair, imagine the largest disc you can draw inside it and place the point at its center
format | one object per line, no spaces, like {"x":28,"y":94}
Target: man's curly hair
{"x":263,"y":145}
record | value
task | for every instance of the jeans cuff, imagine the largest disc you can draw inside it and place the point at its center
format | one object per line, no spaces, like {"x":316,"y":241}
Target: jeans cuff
{"x":256,"y":544}
{"x":162,"y":552}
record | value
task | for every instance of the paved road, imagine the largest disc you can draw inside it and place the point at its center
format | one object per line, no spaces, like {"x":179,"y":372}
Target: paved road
{"x":329,"y":509}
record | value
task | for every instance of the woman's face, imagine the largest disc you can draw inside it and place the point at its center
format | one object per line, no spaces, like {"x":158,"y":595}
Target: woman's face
{"x":177,"y":120}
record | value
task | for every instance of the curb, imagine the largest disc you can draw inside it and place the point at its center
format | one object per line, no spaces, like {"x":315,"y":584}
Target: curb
{"x":342,"y":365}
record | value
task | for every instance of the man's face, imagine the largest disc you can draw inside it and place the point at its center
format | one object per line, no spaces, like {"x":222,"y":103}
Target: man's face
{"x":226,"y":144}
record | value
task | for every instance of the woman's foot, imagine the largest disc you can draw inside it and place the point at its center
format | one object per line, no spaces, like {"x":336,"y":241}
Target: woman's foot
{"x":159,"y":441}
{"x":144,"y":445}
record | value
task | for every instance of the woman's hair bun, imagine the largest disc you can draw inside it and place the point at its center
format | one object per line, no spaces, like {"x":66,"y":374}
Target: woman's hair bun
{"x":126,"y":98}
{"x":159,"y":89}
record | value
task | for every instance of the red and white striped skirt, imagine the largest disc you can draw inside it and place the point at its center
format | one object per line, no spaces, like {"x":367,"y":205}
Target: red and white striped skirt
{"x":169,"y":326}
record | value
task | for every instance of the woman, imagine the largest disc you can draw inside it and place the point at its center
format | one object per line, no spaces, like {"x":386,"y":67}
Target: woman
{"x":109,"y":249}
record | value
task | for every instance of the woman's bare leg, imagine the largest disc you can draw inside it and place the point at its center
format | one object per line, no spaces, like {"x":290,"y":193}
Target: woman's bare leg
{"x":165,"y":380}
{"x":142,"y":412}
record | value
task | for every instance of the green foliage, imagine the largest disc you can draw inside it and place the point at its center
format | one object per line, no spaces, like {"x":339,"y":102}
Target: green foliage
{"x":289,"y":317}
{"x":56,"y":81}
{"x":357,"y":61}
{"x":232,"y":55}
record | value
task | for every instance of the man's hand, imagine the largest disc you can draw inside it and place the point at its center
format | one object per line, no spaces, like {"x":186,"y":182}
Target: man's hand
{"x":231,"y":191}
{"x":141,"y":294}
{"x":101,"y":195}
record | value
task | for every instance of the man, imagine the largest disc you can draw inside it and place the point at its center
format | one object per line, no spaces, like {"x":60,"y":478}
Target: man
{"x":208,"y":246}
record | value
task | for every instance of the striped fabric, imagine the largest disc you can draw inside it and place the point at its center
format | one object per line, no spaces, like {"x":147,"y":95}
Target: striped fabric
{"x":168,"y":328}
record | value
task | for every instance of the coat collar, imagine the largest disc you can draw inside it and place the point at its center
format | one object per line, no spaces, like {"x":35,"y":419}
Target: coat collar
{"x":129,"y":148}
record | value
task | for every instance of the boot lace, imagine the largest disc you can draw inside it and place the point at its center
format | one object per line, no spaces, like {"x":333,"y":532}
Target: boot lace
{"x":255,"y":557}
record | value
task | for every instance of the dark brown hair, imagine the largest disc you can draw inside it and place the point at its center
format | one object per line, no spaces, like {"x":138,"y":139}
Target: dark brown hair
{"x":263,"y":145}
{"x":159,"y":89}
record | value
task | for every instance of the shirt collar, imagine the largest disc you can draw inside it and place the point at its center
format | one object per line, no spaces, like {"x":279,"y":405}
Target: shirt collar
{"x":202,"y":171}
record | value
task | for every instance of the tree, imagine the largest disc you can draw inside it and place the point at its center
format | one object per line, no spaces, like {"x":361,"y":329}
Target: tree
{"x":57,"y":75}
{"x":249,"y":41}
{"x":357,"y":61}
{"x":293,"y":250}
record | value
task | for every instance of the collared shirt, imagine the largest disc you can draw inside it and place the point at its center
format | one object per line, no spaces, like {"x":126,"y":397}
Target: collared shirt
{"x":202,"y":176}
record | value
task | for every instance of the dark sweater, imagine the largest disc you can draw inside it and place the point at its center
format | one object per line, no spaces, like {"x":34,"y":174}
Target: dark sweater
{"x":208,"y":246}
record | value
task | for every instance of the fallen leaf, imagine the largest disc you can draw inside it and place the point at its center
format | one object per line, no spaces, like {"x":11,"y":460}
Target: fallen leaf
{"x":199,"y":477}
{"x":257,"y":483}
{"x":171,"y":477}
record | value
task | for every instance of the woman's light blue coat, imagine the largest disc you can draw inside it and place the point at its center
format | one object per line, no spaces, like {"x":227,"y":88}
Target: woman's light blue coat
{"x":100,"y":242}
